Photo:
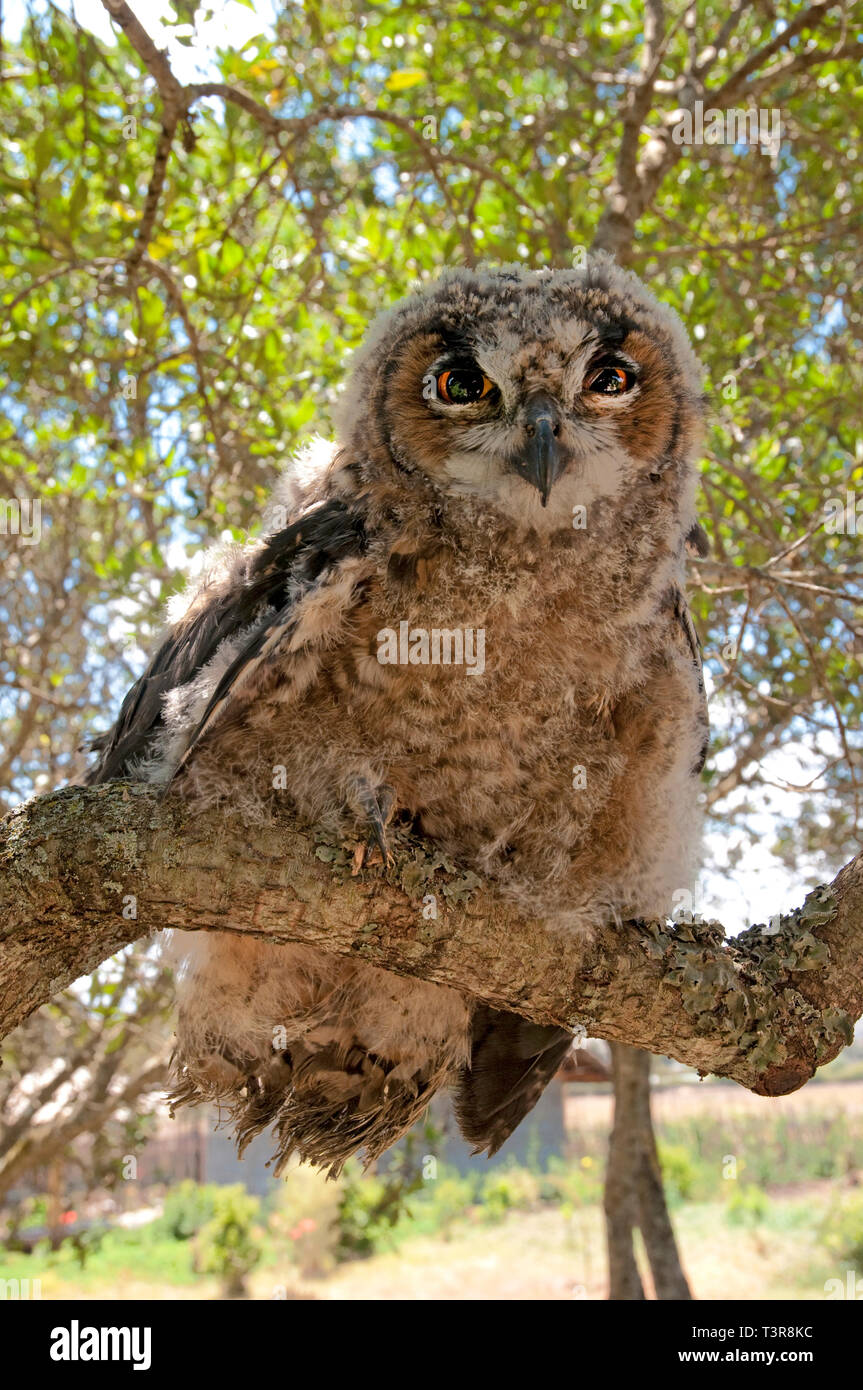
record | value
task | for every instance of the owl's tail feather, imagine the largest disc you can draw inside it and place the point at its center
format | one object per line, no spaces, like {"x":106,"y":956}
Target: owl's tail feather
{"x":357,"y":1055}
{"x":323,"y":1109}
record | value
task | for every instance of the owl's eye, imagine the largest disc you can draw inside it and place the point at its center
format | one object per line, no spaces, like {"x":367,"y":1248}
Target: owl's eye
{"x":463,"y":385}
{"x":610,"y":381}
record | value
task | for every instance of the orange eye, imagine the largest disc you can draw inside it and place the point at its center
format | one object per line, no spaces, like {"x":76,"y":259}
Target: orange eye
{"x":610,"y":381}
{"x":463,"y":385}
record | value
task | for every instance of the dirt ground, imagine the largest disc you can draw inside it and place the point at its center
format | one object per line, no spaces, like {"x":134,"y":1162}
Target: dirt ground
{"x":545,"y":1256}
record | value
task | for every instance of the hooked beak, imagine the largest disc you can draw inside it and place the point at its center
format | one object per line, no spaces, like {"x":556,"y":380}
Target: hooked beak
{"x":543,"y":459}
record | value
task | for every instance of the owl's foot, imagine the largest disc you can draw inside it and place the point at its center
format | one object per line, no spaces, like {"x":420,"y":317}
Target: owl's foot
{"x":377,"y":805}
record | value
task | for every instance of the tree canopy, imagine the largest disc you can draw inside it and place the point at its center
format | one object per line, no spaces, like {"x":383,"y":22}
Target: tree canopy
{"x":186,"y":269}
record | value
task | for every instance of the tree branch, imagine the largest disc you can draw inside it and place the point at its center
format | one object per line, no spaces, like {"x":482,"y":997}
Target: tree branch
{"x":765,"y":1009}
{"x":640,"y":174}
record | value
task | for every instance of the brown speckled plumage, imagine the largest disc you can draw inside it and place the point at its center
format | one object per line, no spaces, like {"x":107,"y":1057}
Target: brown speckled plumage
{"x":565,"y":769}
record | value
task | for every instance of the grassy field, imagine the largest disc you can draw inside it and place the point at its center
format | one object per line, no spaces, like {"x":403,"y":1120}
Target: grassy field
{"x":778,"y":1253}
{"x":765,"y":1197}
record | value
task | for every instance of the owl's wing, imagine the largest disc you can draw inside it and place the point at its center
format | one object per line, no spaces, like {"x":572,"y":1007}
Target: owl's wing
{"x":697,"y":541}
{"x":686,"y":630}
{"x":290,"y":564}
{"x":511,"y":1063}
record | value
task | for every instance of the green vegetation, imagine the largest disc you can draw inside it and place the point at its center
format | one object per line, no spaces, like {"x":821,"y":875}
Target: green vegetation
{"x":842,"y":1230}
{"x":779,"y":1181}
{"x":791,"y":1148}
{"x":188,"y":1207}
{"x":229,"y":1244}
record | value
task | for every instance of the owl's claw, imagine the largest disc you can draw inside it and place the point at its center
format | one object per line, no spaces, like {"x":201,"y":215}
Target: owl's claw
{"x":377,"y":806}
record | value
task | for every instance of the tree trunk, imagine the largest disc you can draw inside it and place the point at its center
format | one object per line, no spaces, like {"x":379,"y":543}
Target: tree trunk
{"x":634,"y":1194}
{"x":621,"y":1197}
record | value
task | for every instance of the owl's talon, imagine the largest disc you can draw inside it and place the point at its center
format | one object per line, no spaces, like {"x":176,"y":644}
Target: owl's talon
{"x":368,"y":854}
{"x":379,"y":850}
{"x":377,"y":806}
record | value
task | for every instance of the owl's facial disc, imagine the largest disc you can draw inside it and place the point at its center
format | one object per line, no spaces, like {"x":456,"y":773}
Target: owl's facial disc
{"x":530,"y":432}
{"x":537,"y":395}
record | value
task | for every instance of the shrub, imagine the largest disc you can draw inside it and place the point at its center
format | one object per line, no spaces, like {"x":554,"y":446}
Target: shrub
{"x":747,"y":1206}
{"x":572,"y":1184}
{"x":229,"y":1245}
{"x":369,"y":1208}
{"x":445,"y":1199}
{"x":679,"y":1172}
{"x":303,"y":1220}
{"x":842,"y":1230}
{"x":188,"y":1207}
{"x":508,"y":1189}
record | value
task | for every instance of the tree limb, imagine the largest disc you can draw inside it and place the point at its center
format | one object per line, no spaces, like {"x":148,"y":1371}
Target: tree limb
{"x":639,"y":174}
{"x":765,"y":1009}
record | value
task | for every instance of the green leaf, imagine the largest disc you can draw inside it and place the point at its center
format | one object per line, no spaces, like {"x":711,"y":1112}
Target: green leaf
{"x":405,"y":78}
{"x":231,"y":255}
{"x":44,"y":147}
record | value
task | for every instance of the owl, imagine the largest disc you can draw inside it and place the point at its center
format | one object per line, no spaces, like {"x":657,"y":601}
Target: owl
{"x":467,"y":618}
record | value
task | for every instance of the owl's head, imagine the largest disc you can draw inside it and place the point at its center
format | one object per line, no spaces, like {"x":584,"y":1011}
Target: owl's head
{"x":533,"y":391}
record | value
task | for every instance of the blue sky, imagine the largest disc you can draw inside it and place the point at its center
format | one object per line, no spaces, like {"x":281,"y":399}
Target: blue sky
{"x":231,"y":26}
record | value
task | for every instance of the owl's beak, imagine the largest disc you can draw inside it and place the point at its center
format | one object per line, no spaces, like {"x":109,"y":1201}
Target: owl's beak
{"x":543,"y":459}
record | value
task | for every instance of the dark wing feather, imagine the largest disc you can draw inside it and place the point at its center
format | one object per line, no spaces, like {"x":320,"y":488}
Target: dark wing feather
{"x":697,"y":541}
{"x":683,"y":619}
{"x":298,"y":554}
{"x":511,"y":1063}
